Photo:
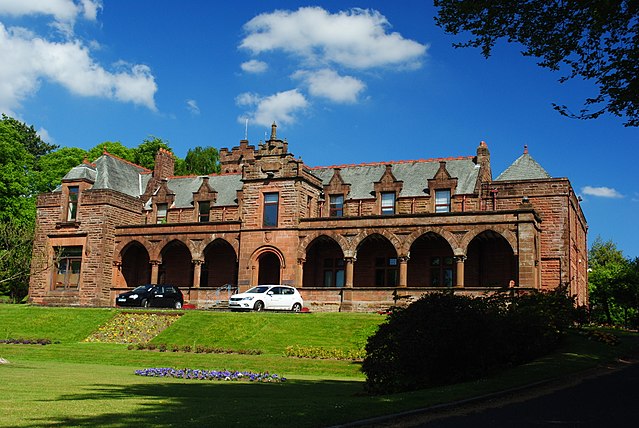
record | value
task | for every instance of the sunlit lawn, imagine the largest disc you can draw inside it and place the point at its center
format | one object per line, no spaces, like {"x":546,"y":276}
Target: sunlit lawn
{"x":74,"y":383}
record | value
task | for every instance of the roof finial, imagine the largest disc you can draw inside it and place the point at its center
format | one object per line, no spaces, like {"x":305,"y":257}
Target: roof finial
{"x":525,"y":149}
{"x":273,"y":131}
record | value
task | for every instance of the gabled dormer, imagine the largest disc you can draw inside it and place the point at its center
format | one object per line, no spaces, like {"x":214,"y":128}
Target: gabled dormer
{"x":203,"y":200}
{"x":335,"y":194}
{"x":162,"y":200}
{"x":387,"y":190}
{"x":442,"y":186}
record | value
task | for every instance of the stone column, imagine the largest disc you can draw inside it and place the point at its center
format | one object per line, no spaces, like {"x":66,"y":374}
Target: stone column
{"x":155,"y":271}
{"x":459,"y":260}
{"x":117,"y":277}
{"x":403,"y":271}
{"x":528,"y":265}
{"x":197,"y":272}
{"x":348,"y":280}
{"x":299,"y":273}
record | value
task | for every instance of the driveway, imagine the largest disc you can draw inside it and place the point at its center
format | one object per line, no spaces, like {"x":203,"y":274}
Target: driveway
{"x":606,"y":397}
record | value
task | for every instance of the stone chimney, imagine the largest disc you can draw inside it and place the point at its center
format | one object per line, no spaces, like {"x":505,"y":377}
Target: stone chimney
{"x":164,"y":164}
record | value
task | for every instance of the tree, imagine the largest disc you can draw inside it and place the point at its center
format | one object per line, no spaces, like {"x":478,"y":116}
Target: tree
{"x":145,"y":153}
{"x":55,"y":165}
{"x":29,"y":138}
{"x":113,"y":147}
{"x":16,"y":171}
{"x":597,"y":40}
{"x":607,"y":266}
{"x":201,"y":161}
{"x":16,"y":246}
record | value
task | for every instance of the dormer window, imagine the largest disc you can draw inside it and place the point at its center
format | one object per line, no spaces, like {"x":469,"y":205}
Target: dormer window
{"x":388,"y":203}
{"x":204,"y":211}
{"x":336,"y":205}
{"x":442,"y":201}
{"x":160,"y":215}
{"x":72,"y":203}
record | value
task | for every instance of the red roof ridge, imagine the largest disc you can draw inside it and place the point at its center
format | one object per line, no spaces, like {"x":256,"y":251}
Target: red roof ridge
{"x":104,"y":152}
{"x":213,"y":174}
{"x":451,"y":158}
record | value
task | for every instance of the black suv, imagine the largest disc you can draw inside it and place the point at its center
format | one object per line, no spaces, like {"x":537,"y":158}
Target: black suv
{"x":155,"y":296}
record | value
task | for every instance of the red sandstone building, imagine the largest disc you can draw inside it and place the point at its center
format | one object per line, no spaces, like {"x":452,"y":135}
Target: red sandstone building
{"x":350,"y":237}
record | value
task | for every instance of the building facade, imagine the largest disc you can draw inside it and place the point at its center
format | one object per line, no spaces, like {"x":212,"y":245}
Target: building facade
{"x":350,"y":237}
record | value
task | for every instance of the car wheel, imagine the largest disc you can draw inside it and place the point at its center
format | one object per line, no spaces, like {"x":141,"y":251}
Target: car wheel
{"x":297,"y":307}
{"x":144,"y":303}
{"x":259,"y":306}
{"x":177,"y":305}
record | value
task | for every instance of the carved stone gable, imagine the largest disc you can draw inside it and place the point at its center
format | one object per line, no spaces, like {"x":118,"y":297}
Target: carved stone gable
{"x":388,"y":182}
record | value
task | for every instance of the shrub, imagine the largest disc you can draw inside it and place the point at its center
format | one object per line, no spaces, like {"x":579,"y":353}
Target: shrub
{"x":445,"y":338}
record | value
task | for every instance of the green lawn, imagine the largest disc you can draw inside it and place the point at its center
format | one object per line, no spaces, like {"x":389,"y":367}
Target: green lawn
{"x":74,"y":383}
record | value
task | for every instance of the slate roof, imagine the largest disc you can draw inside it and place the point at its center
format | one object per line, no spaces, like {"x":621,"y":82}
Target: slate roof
{"x":414,"y":174}
{"x":226,"y":186}
{"x":524,"y":168}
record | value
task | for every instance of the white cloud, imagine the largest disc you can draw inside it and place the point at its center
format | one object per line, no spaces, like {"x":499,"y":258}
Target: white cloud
{"x":356,"y":38}
{"x":254,"y":66}
{"x":602,"y":192}
{"x":192,"y":106}
{"x":62,"y":11}
{"x":45,"y":136}
{"x":29,"y":59}
{"x":326,"y":83}
{"x":280,"y":107}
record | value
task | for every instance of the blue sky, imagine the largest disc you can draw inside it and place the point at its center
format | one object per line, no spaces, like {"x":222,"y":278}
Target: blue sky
{"x":346,"y":82}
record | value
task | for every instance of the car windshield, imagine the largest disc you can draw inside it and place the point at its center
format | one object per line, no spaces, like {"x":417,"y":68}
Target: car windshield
{"x":141,"y":288}
{"x":257,"y":290}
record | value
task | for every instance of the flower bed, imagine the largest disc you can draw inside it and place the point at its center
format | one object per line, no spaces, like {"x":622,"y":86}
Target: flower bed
{"x":197,"y":374}
{"x":26,"y":341}
{"x":133,"y":327}
{"x":325,"y":353}
{"x":199,"y":349}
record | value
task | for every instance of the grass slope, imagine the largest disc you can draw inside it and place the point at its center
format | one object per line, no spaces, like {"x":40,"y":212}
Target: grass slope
{"x":73,"y":383}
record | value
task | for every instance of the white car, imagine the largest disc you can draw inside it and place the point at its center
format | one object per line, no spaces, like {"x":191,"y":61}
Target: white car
{"x":262,"y":297}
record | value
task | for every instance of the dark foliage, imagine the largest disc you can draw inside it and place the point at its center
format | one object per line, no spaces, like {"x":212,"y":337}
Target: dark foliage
{"x":444,"y":338}
{"x":596,"y":40}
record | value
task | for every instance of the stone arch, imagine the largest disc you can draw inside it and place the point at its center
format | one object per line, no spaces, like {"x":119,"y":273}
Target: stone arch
{"x":506,"y":233}
{"x":366,"y":233}
{"x":452,"y":240}
{"x":431,"y":262}
{"x":377,"y":263}
{"x":323,"y":263}
{"x":267,"y":262}
{"x":308,"y":240}
{"x":176,"y":264}
{"x":490,"y":261}
{"x":219,"y":264}
{"x":134,"y":264}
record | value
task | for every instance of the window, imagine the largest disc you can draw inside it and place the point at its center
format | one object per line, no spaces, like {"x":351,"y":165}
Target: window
{"x":271,"y":203}
{"x":386,"y":273}
{"x":68,"y":261}
{"x":336,"y":205}
{"x":334,"y":272}
{"x":72,"y":203}
{"x":204,"y":214}
{"x":442,"y":201}
{"x":160,"y":216}
{"x":388,"y":203}
{"x":441,"y":271}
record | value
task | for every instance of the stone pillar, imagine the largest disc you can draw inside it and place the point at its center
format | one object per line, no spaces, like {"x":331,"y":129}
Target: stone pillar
{"x":155,"y":271}
{"x":460,"y":270}
{"x":527,"y":252}
{"x":117,"y":277}
{"x":197,"y":272}
{"x":403,"y":271}
{"x":299,"y":273}
{"x":348,"y":280}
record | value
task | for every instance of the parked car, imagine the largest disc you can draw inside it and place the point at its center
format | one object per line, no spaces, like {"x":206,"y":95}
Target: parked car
{"x":152,"y":296}
{"x":264,"y":297}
